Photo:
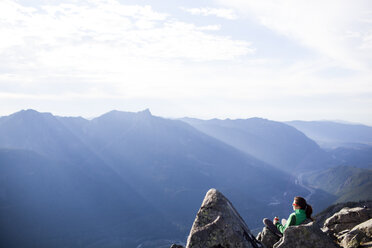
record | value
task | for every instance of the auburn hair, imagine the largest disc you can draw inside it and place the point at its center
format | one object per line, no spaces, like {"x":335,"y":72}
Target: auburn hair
{"x":300,"y":201}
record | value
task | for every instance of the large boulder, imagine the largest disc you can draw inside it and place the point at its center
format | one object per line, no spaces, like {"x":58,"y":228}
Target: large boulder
{"x":219,"y":225}
{"x":305,"y":236}
{"x":321,"y":217}
{"x":346,"y":219}
{"x":267,"y":237}
{"x":358,"y":236}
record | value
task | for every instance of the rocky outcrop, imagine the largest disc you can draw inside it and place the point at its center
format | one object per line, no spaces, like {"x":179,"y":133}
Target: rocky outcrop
{"x":305,"y":236}
{"x":357,"y":236}
{"x":346,"y":219}
{"x":267,"y":238}
{"x":219,"y":225}
{"x":331,"y":210}
{"x":350,"y":227}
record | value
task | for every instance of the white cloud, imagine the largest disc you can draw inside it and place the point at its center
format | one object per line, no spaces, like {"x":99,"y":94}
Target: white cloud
{"x":104,"y":46}
{"x":322,"y":25}
{"x":210,"y":27}
{"x":102,"y":49}
{"x":73,"y":49}
{"x":108,"y":55}
{"x":130,"y":30}
{"x":219,"y":12}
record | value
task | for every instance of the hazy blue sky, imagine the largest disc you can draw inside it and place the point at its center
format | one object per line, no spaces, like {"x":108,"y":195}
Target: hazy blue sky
{"x":282,"y":60}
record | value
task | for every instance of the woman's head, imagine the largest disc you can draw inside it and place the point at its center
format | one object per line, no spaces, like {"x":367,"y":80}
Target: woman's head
{"x":300,"y":203}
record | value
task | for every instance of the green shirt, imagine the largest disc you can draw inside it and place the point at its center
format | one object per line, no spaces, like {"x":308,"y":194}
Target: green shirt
{"x":294,"y":219}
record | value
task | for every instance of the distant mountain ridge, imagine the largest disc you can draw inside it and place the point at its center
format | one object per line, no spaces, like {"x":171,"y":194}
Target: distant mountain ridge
{"x":164,"y":144}
{"x":134,"y":179}
{"x":346,"y":182}
{"x":334,"y":134}
{"x":123,"y":160}
{"x":87,"y":188}
{"x":358,"y":156}
{"x":273,"y":142}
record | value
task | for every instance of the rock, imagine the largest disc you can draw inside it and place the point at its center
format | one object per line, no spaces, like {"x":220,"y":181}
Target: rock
{"x":305,"y":236}
{"x":219,"y":225}
{"x":347,"y":218}
{"x":331,"y":210}
{"x":352,"y":239}
{"x":366,"y":245}
{"x":176,"y":246}
{"x":359,"y":235}
{"x":267,"y":238}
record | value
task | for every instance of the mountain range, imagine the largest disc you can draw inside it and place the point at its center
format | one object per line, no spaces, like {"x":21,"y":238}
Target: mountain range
{"x":134,"y":179}
{"x":346,"y":182}
{"x":330,"y":134}
{"x":274,"y":142}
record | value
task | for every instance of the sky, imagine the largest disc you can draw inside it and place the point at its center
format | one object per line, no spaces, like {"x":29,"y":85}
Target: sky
{"x":280,"y":60}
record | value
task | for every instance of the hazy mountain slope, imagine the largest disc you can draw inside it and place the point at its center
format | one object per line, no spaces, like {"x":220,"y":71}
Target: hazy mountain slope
{"x":273,"y":142}
{"x":347,"y":183}
{"x":173,"y":164}
{"x":359,"y":156}
{"x":133,"y":170}
{"x":45,"y":134}
{"x":48,"y":204}
{"x":333,"y":134}
{"x":42,"y":133}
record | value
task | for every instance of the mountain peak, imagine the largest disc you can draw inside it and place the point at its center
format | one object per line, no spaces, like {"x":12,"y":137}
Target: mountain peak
{"x":30,"y":113}
{"x":123,"y":115}
{"x":145,"y":112}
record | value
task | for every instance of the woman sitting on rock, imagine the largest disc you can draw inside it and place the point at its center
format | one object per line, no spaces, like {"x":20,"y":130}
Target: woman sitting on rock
{"x":302,"y":211}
